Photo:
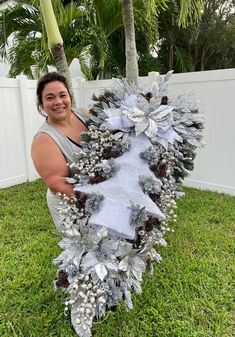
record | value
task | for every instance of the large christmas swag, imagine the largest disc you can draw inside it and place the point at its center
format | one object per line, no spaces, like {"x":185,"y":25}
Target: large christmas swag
{"x":127,"y":177}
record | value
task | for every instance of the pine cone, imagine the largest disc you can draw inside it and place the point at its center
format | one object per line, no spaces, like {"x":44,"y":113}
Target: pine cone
{"x":155,"y":197}
{"x":110,"y":152}
{"x":164,"y":100}
{"x":159,"y":170}
{"x":97,"y":179}
{"x":81,"y":199}
{"x":151,"y":223}
{"x":62,"y":281}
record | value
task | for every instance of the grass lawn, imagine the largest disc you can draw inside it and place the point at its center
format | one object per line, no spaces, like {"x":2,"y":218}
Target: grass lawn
{"x":191,"y":293}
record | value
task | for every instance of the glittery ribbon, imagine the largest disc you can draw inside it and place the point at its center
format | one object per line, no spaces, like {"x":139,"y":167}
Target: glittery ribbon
{"x":153,"y":123}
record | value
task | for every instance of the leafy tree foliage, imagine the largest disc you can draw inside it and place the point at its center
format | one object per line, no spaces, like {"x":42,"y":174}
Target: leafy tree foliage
{"x":87,"y":28}
{"x":204,"y":45}
{"x":92,"y":31}
{"x":23,"y":41}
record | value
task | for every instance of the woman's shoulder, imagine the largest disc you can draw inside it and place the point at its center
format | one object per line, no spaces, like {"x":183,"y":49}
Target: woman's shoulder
{"x":49,"y":130}
{"x":42,"y":139}
{"x":46,"y":135}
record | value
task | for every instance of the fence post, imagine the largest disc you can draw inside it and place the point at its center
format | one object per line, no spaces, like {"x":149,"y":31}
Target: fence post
{"x":25,"y":109}
{"x":78,"y":86}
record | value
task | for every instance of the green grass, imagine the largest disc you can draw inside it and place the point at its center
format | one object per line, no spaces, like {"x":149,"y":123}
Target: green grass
{"x":190,"y":295}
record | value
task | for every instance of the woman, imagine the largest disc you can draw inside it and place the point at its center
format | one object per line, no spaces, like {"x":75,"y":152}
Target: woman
{"x":57,"y":139}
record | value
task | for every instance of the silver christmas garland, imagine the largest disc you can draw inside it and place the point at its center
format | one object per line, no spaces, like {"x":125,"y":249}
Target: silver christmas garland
{"x":127,"y":177}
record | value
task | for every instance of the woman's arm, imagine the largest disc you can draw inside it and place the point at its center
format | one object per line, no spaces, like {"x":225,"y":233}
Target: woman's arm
{"x":50,"y":164}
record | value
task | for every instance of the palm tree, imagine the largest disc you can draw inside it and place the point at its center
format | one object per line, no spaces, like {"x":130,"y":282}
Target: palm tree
{"x":86,"y":26}
{"x":20,"y":39}
{"x":23,"y":42}
{"x":104,"y":17}
{"x":55,"y":42}
{"x":188,"y":10}
{"x":131,"y":53}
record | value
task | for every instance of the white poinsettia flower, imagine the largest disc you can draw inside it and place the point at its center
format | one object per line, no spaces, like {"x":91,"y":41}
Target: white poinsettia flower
{"x":133,"y":265}
{"x":101,"y":260}
{"x":150,"y":122}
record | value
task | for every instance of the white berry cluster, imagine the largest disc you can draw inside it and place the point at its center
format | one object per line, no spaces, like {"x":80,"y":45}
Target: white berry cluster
{"x":88,"y":298}
{"x":87,"y":162}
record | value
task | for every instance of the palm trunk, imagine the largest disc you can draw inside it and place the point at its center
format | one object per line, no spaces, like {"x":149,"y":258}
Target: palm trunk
{"x":194,"y":57}
{"x":101,"y":69}
{"x":204,"y":52}
{"x":130,"y":45}
{"x":55,"y":42}
{"x":170,"y":56}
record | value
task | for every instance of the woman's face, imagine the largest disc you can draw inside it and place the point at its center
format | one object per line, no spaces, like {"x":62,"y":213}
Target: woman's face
{"x":56,"y":101}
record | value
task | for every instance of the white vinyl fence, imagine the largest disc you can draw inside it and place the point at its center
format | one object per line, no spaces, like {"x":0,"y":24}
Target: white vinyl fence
{"x":214,"y":165}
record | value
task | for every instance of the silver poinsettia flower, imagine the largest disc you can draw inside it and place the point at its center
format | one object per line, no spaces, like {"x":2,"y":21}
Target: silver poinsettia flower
{"x":150,"y":122}
{"x":134,"y":114}
{"x":101,"y":260}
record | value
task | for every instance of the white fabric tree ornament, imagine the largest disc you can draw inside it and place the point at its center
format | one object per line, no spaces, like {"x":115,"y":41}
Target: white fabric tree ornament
{"x":122,"y":190}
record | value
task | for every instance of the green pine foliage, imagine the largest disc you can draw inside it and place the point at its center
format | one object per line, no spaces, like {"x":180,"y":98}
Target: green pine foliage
{"x":190,"y":295}
{"x":107,"y":97}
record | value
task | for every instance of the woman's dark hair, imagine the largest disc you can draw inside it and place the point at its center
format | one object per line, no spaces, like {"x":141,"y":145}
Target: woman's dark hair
{"x":43,"y":81}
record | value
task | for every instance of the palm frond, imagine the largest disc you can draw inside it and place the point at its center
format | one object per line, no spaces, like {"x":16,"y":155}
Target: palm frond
{"x":183,"y":59}
{"x":109,"y":15}
{"x":85,"y":64}
{"x":18,"y":20}
{"x":25,"y":54}
{"x":190,"y":10}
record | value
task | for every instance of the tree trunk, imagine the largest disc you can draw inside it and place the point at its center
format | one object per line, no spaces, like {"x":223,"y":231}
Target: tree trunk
{"x":130,"y":45}
{"x":101,"y":69}
{"x":59,"y":57}
{"x":202,"y":61}
{"x":203,"y":57}
{"x":194,"y":54}
{"x":55,"y":42}
{"x":170,"y":56}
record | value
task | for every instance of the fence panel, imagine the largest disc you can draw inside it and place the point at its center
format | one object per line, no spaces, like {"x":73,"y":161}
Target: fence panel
{"x":215,"y":164}
{"x":13,"y":168}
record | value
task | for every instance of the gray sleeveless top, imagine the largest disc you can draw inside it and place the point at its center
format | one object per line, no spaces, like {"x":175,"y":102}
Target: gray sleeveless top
{"x":68,"y":148}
